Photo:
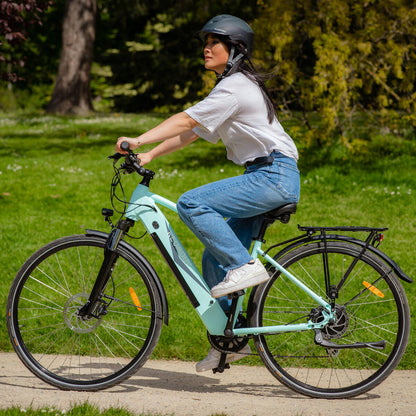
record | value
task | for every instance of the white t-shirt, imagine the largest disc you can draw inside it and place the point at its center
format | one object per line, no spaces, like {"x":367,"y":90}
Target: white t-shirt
{"x":235,"y":112}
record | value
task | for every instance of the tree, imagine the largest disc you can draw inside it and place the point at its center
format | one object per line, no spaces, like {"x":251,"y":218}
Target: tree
{"x":339,"y":58}
{"x":71,"y":94}
{"x":15,"y":18}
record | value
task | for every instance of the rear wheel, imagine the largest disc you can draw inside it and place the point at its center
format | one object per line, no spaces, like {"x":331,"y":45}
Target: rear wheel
{"x":74,"y":352}
{"x":371,"y":307}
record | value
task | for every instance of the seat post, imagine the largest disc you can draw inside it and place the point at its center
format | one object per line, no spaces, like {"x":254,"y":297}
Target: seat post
{"x":263,"y":228}
{"x":281,"y":213}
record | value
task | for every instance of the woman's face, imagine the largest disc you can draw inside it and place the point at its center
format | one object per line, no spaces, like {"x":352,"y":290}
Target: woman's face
{"x":216,"y":54}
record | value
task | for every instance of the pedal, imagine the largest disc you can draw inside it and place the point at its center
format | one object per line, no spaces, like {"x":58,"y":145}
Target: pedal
{"x":222,"y":365}
{"x":236,"y":295}
{"x":219,"y":370}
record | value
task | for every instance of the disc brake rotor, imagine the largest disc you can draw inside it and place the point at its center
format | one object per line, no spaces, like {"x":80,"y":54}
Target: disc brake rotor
{"x":74,"y":322}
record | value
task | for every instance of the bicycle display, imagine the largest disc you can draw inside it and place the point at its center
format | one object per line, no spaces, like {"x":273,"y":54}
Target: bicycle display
{"x":85,"y":312}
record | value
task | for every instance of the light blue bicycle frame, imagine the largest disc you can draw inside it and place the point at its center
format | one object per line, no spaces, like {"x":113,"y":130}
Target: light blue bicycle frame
{"x":143,"y":207}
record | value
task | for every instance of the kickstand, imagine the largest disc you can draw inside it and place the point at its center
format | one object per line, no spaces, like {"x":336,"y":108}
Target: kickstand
{"x":222,"y":365}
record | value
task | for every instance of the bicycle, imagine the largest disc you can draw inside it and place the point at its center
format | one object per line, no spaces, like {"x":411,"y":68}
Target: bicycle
{"x":85,"y":312}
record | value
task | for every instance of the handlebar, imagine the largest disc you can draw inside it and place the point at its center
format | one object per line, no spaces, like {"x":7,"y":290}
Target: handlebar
{"x":132,"y":164}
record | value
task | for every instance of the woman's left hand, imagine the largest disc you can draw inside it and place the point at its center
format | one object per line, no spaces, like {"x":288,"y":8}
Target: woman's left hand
{"x":133,"y":143}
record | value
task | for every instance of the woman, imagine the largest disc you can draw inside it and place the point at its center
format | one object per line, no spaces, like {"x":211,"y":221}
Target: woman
{"x":240,"y":112}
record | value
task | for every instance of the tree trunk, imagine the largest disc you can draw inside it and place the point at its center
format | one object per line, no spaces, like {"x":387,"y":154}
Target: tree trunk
{"x":71,"y":94}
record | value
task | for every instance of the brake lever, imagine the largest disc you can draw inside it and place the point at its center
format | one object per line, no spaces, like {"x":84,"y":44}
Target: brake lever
{"x":132,"y":163}
{"x":115,"y":156}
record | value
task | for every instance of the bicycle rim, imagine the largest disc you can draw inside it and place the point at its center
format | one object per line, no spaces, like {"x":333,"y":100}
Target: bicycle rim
{"x":371,"y":307}
{"x":60,"y":347}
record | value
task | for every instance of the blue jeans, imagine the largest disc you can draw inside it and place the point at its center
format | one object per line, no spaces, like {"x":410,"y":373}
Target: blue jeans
{"x":242,"y":200}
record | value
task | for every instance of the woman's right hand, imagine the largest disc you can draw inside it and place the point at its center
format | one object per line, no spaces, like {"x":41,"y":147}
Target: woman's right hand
{"x":145,"y":158}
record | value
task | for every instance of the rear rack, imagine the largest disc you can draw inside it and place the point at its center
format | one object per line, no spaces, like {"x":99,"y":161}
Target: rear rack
{"x":341,"y":228}
{"x":375,"y":237}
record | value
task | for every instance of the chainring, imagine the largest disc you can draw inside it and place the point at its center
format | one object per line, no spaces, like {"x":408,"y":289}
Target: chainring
{"x":227,"y":344}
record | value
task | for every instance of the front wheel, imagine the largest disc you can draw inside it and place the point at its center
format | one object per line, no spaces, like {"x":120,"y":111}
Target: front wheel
{"x":371,"y":309}
{"x":75,"y":352}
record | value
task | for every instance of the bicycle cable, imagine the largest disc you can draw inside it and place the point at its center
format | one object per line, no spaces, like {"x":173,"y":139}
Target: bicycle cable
{"x":116,"y":182}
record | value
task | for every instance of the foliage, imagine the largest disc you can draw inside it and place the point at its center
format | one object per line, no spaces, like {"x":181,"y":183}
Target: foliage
{"x":153,"y":60}
{"x":15,"y":18}
{"x":338,"y":58}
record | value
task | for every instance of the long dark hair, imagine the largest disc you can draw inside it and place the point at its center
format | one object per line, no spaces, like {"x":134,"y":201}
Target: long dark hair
{"x":246,"y":67}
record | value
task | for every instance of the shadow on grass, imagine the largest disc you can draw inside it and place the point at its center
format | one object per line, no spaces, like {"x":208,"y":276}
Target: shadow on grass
{"x":199,"y":154}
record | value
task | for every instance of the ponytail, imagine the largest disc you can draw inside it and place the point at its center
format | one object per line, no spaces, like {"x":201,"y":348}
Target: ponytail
{"x":250,"y":72}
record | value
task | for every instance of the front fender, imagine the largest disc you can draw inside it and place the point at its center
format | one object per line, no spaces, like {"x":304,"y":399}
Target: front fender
{"x":136,"y":253}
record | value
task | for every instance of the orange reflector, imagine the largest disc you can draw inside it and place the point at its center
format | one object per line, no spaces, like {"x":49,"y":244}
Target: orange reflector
{"x":373,"y":289}
{"x":135,"y":299}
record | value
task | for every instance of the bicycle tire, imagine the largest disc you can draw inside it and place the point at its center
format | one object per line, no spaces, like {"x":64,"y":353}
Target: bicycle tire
{"x":362,"y":316}
{"x":65,"y":350}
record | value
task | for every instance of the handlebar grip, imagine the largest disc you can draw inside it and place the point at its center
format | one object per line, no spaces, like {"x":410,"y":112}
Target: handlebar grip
{"x":125,"y":146}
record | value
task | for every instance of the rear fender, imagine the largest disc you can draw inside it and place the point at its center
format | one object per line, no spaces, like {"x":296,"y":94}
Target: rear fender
{"x":338,"y":237}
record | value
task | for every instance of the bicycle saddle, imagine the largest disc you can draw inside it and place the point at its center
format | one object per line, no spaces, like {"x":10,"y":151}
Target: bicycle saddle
{"x":282,"y":213}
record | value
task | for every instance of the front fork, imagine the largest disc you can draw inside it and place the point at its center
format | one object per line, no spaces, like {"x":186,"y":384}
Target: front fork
{"x":95,"y":306}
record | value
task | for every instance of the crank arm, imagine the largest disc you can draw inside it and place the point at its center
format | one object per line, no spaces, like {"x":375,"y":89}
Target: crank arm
{"x":319,"y":340}
{"x":222,"y":364}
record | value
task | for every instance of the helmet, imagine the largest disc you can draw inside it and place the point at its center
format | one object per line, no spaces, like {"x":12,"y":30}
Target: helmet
{"x":233,"y":28}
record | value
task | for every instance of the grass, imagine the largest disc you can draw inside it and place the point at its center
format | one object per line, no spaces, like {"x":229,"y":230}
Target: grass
{"x":85,"y":409}
{"x":55,"y":179}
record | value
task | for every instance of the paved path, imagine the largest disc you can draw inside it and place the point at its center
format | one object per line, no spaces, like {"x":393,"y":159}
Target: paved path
{"x":173,"y":388}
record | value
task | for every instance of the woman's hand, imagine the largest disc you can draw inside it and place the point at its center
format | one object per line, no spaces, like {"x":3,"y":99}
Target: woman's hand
{"x":145,"y":158}
{"x":133,"y":143}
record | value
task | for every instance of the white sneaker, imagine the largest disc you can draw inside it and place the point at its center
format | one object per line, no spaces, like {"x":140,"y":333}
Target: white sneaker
{"x":251,"y":274}
{"x":213,"y":358}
